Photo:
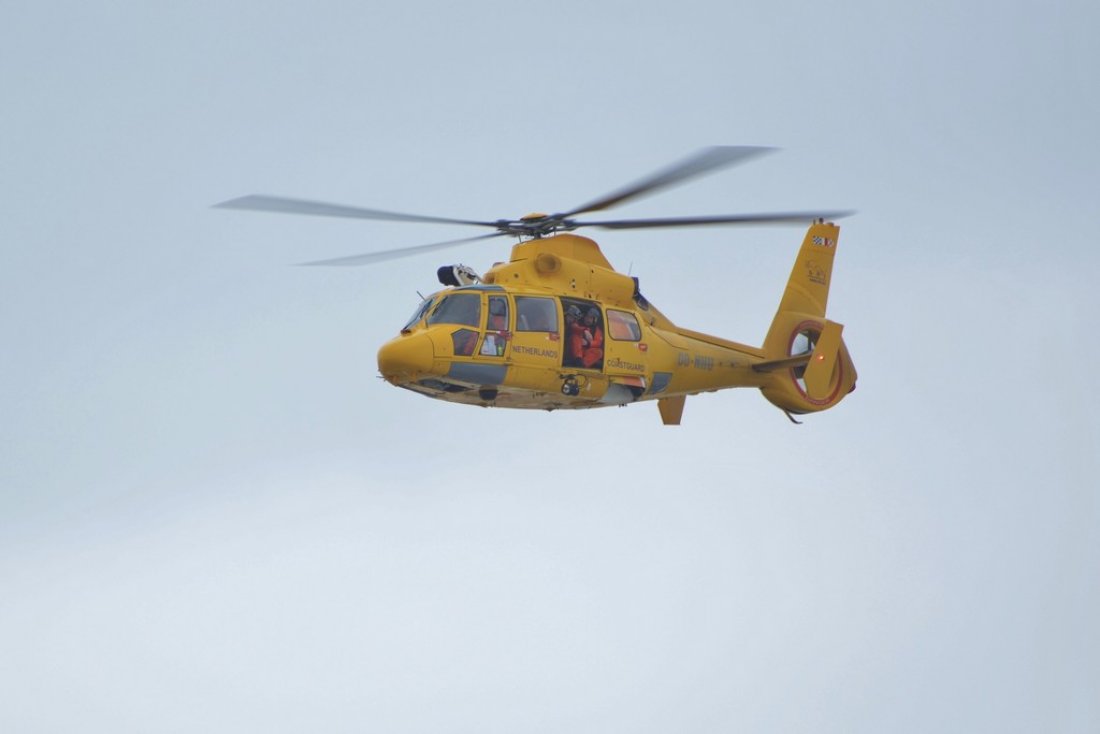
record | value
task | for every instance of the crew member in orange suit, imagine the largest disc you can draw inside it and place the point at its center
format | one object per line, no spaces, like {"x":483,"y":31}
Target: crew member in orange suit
{"x":574,"y":332}
{"x":592,"y":339}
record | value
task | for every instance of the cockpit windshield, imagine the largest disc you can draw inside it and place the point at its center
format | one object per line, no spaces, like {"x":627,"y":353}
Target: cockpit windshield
{"x":458,"y":308}
{"x":419,"y":314}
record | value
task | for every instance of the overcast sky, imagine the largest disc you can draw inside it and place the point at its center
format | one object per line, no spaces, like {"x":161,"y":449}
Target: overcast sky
{"x":214,"y":517}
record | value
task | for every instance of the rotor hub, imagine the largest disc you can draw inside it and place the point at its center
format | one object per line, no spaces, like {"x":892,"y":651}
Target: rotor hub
{"x":535,"y":225}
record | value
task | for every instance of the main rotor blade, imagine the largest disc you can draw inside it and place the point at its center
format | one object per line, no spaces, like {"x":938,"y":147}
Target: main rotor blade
{"x":261,"y":203}
{"x":373,"y":257}
{"x":704,"y":161}
{"x":777,"y":218}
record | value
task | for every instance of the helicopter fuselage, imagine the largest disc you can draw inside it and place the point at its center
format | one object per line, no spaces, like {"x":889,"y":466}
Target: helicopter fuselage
{"x":556,"y":327}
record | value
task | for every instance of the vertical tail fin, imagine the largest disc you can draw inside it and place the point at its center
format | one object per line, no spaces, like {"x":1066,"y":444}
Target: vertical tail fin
{"x":807,"y":291}
{"x":808,"y":287}
{"x":800,"y":328}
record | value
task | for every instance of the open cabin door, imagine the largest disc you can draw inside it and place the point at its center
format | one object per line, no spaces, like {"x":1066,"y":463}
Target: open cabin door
{"x":584,"y":335}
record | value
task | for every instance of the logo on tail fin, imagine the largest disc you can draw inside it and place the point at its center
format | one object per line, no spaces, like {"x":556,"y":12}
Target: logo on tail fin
{"x":823,"y":242}
{"x":815,"y":272}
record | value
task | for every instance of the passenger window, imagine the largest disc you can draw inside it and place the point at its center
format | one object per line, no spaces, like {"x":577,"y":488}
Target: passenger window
{"x":536,"y":314}
{"x":458,"y":308}
{"x":623,"y":326}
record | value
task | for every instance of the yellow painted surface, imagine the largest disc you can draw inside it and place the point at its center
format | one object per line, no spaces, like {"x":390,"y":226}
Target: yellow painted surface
{"x":519,"y":367}
{"x":822,"y":366}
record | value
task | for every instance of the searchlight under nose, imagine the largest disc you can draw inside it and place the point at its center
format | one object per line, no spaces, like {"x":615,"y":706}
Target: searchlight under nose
{"x":405,"y":357}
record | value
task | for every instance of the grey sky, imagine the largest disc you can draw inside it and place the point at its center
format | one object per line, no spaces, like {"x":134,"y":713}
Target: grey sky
{"x":213,"y":516}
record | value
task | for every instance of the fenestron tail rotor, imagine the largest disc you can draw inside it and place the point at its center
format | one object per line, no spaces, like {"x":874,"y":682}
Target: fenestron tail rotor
{"x":703,"y":162}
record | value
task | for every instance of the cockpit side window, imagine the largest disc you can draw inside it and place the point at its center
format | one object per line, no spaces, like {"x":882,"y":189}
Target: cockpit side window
{"x":498,"y":314}
{"x":458,"y":308}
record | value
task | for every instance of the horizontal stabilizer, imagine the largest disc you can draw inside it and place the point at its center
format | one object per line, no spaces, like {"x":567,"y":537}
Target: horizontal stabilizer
{"x":781,"y":364}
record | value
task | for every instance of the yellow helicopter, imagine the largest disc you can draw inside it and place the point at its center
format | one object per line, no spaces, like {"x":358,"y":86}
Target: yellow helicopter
{"x":556,"y":327}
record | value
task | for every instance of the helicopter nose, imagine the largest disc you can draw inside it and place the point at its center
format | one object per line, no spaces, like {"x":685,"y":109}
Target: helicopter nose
{"x":405,"y":356}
